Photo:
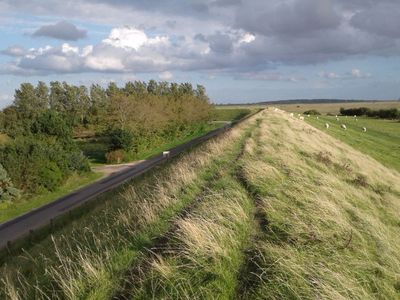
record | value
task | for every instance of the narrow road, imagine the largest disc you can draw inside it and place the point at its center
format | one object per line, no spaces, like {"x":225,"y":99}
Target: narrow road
{"x":20,"y":227}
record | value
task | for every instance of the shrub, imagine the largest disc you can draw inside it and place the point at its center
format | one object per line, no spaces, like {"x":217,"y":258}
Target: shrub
{"x":115,"y":156}
{"x":7,"y":189}
{"x":312,"y":112}
{"x":122,"y":139}
{"x":50,"y":176}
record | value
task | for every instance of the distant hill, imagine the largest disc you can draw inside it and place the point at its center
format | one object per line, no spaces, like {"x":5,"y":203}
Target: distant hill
{"x":303,"y":101}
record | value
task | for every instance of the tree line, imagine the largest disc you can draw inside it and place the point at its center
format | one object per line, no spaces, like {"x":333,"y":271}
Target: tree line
{"x":391,"y":113}
{"x":44,"y":119}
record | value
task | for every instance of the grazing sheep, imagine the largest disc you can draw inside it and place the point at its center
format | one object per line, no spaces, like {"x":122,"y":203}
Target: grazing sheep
{"x":337,"y":119}
{"x":301,"y":118}
{"x":298,"y":115}
{"x":308,"y":116}
{"x":355,"y":116}
{"x":364,"y":129}
{"x":275,"y":109}
{"x":336,"y":116}
{"x":344,"y":126}
{"x":326,"y":125}
{"x":292,"y":114}
{"x":317,"y":118}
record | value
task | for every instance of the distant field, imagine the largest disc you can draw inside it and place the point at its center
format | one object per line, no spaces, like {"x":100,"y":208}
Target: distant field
{"x":333,"y":108}
{"x":229,"y":114}
{"x":381,"y":141}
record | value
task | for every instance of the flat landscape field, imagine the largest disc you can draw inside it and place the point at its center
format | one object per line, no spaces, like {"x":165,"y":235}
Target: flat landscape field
{"x":273,"y":209}
{"x":333,"y":108}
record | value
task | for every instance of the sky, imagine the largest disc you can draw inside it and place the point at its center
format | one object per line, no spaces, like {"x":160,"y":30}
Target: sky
{"x":240,"y":50}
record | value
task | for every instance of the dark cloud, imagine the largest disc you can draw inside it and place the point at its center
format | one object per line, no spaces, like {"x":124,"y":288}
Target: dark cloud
{"x":62,"y":30}
{"x":220,"y":35}
{"x":381,"y":19}
{"x":301,"y":17}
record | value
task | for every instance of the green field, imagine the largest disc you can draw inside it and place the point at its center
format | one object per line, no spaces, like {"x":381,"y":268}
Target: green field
{"x":381,"y":141}
{"x":274,"y":209}
{"x":333,"y":108}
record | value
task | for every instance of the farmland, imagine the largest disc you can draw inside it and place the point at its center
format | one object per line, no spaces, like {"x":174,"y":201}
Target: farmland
{"x":333,"y":108}
{"x":381,"y":141}
{"x":273,"y":209}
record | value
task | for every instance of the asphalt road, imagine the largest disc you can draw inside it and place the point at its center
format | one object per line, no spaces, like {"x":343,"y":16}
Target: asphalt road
{"x":20,"y":227}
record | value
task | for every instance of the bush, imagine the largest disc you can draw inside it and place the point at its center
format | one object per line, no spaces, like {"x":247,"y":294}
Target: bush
{"x":115,"y":156}
{"x":391,"y":113}
{"x":50,"y":176}
{"x":122,"y":139}
{"x":312,"y":112}
{"x":7,"y":189}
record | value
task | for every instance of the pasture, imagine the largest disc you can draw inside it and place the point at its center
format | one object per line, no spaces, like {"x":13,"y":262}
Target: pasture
{"x":274,"y":209}
{"x":333,"y":108}
{"x":381,"y":140}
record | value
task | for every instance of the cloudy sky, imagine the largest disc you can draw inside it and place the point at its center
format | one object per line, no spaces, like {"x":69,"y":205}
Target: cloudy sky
{"x":241,"y":50}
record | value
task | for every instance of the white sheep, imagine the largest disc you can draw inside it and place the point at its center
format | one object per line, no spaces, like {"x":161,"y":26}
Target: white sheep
{"x":344,"y":126}
{"x":337,"y":119}
{"x":364,"y":129}
{"x":326,"y":125}
{"x":355,"y":116}
{"x":292,"y":114}
{"x":317,"y":118}
{"x":301,"y":118}
{"x":308,"y":116}
{"x":336,"y":116}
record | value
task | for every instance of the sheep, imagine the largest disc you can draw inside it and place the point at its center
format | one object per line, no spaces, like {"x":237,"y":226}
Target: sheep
{"x":292,"y":114}
{"x":275,"y":109}
{"x":317,"y":118}
{"x":301,"y":118}
{"x":344,"y":126}
{"x":336,"y":116}
{"x":355,"y":116}
{"x":308,"y":116}
{"x":326,"y":125}
{"x":337,"y":119}
{"x":364,"y":129}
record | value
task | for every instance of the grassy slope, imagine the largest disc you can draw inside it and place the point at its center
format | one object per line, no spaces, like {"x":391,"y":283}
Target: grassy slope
{"x":331,"y":214}
{"x":381,"y":141}
{"x":334,"y":108}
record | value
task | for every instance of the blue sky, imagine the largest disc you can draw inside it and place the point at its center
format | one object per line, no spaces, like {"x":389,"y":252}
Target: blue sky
{"x":242,"y":51}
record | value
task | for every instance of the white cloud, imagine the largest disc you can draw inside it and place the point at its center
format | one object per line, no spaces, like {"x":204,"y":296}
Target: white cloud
{"x":126,"y":38}
{"x":166,"y":75}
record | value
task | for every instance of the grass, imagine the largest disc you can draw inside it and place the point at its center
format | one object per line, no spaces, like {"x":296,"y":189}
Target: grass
{"x":229,"y":114}
{"x":331,"y":217}
{"x":333,"y":108}
{"x":381,"y":141}
{"x":274,"y":209}
{"x":9,"y":210}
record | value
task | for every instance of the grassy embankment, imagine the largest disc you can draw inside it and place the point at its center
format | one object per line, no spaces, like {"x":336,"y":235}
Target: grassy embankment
{"x":90,"y":257}
{"x":278,"y":210}
{"x":329,"y":217}
{"x":95,"y":149}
